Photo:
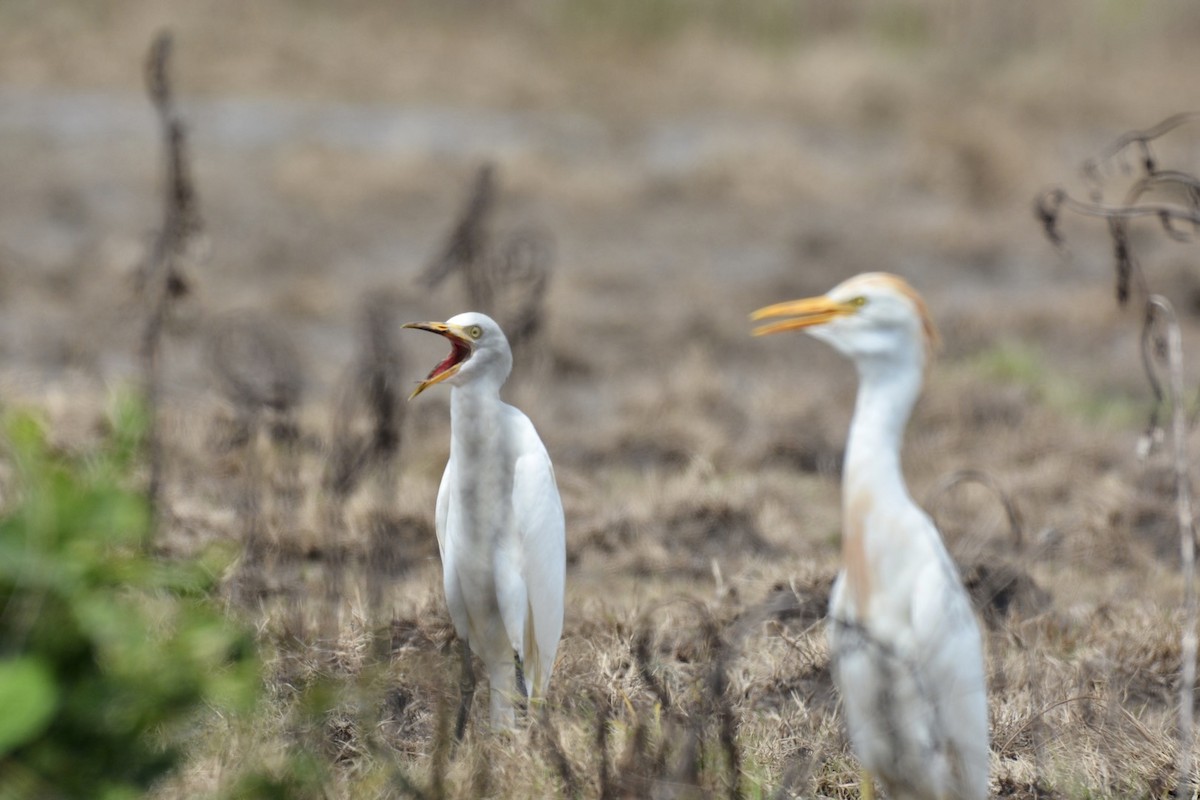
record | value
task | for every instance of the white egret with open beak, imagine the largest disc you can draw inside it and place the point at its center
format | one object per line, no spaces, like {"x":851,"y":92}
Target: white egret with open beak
{"x":499,"y":522}
{"x":907,"y":653}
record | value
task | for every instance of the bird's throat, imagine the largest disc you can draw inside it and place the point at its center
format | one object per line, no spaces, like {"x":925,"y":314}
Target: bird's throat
{"x":881,"y":410}
{"x":872,"y":473}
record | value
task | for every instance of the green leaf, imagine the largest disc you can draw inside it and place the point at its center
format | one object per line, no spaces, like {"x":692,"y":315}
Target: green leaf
{"x":28,"y":697}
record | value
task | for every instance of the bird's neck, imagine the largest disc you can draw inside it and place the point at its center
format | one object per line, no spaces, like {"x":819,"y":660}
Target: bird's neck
{"x":872,"y":479}
{"x":475,"y":410}
{"x":886,"y":396}
{"x":481,"y":448}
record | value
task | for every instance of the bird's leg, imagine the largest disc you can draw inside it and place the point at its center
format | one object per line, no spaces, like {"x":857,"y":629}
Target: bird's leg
{"x":522,"y":692}
{"x":466,"y":688}
{"x":868,"y":785}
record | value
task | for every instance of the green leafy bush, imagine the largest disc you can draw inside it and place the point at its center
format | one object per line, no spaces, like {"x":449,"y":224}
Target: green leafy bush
{"x":107,"y":654}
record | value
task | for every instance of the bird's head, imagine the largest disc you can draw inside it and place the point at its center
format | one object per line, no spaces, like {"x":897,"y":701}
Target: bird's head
{"x":479,"y":351}
{"x":870,"y":317}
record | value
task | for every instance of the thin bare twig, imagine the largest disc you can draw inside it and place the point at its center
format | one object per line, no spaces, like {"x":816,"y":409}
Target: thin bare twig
{"x":562,"y":764}
{"x":374,"y":384}
{"x":603,"y":713}
{"x":1052,"y":202}
{"x":162,"y":281}
{"x":715,"y":706}
{"x":443,"y":744}
{"x":1037,"y":716}
{"x":519,"y":273}
{"x":505,"y":278}
{"x":959,"y":477}
{"x":1141,"y":139}
{"x":641,"y":655}
{"x":467,"y":240}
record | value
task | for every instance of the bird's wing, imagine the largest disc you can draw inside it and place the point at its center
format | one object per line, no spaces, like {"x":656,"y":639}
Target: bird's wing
{"x":951,"y":649}
{"x":538,"y":513}
{"x":441,"y":513}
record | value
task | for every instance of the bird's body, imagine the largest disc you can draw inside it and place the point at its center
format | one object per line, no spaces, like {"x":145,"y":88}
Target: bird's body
{"x":499,"y":523}
{"x":907,"y":653}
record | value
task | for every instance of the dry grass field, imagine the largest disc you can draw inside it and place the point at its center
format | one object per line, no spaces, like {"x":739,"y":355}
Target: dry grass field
{"x":678,"y":165}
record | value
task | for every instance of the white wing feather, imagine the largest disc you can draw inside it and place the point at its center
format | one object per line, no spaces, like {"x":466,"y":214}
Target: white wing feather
{"x":442,"y":509}
{"x":949,"y":640}
{"x":538,"y":514}
{"x":912,"y":685}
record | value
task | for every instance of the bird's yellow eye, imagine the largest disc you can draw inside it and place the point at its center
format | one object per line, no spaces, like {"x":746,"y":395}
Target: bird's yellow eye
{"x":859,"y":301}
{"x":475,"y":331}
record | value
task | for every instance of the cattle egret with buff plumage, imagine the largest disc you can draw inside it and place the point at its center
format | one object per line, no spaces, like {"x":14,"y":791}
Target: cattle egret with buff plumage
{"x":907,"y":653}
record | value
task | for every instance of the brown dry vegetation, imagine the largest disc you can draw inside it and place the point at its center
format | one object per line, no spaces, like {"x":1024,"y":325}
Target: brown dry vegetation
{"x":691,"y":164}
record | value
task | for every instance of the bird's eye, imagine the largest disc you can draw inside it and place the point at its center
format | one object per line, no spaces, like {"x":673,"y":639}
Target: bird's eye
{"x":859,"y":301}
{"x":475,"y":331}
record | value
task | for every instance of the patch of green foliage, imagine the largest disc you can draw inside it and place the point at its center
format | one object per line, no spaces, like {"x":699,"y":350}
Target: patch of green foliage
{"x":108,"y":655}
{"x":1025,"y":365}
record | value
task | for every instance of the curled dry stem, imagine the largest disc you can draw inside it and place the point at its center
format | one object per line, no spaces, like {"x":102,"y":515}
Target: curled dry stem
{"x":958,"y":477}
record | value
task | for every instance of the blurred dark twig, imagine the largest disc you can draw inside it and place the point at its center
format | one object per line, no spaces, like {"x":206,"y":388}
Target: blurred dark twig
{"x":374,"y":383}
{"x":1093,"y":167}
{"x":161,"y":278}
{"x":467,"y":240}
{"x":443,"y":746}
{"x":520,"y":273}
{"x":603,"y":714}
{"x":959,"y":477}
{"x":506,"y":279}
{"x":562,"y":764}
{"x":1049,"y":206}
{"x":257,"y":367}
{"x":691,"y":725}
{"x":256,"y":364}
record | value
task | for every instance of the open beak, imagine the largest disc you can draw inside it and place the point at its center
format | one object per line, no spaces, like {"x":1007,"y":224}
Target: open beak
{"x":802,"y":314}
{"x":462,"y":346}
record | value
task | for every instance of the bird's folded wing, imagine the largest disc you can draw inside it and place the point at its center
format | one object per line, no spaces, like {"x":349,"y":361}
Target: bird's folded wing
{"x":441,"y":514}
{"x":538,"y":513}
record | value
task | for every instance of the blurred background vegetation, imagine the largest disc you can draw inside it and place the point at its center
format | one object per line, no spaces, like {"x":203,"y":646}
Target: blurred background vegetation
{"x":111,"y":655}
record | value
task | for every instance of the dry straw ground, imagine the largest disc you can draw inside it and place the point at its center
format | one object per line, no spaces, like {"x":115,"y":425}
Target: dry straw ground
{"x":681,"y":164}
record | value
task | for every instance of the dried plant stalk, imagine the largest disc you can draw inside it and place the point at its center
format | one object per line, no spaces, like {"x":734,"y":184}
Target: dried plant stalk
{"x":690,"y":730}
{"x":161,"y":279}
{"x":1161,"y":313}
{"x":1140,"y":139}
{"x":558,"y":757}
{"x":506,"y":279}
{"x":1161,"y":348}
{"x":520,"y":274}
{"x":467,"y":241}
{"x":256,"y":366}
{"x":984,"y":479}
{"x":374,"y":385}
{"x":603,"y":712}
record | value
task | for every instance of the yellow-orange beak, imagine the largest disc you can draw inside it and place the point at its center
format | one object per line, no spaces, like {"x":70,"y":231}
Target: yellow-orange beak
{"x":803,"y":314}
{"x":462,"y":346}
